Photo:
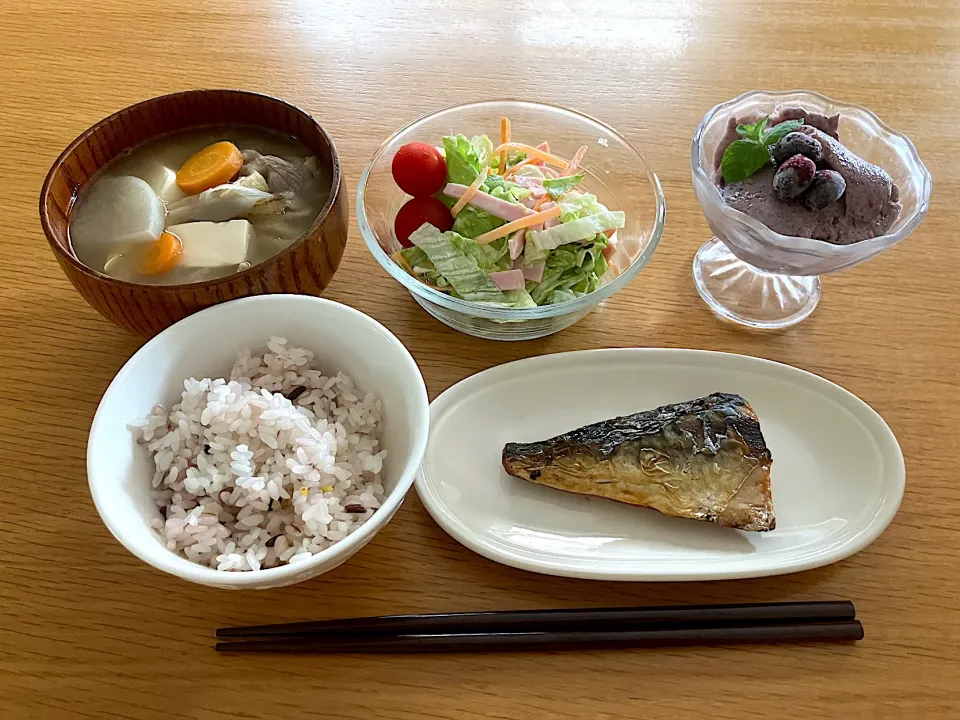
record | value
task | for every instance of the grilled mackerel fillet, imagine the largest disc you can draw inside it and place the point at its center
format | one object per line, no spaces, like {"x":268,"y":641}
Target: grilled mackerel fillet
{"x":704,"y":459}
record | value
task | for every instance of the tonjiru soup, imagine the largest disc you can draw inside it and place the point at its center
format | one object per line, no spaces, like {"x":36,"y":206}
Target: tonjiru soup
{"x":197,"y":205}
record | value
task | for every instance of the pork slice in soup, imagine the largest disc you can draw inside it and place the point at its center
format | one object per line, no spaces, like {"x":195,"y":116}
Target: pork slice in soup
{"x":197,"y":205}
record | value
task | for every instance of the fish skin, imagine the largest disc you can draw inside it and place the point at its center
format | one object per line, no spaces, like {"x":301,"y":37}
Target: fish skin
{"x":704,"y":459}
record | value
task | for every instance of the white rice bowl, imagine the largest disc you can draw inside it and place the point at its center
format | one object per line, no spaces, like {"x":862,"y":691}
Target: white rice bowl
{"x":120,"y":470}
{"x":269,"y":466}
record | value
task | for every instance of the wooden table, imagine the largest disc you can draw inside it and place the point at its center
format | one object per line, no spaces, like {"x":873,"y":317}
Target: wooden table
{"x":88,"y":631}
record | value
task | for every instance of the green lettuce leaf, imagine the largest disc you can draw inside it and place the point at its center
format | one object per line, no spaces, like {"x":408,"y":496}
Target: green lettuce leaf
{"x":577,"y":205}
{"x":504,"y":189}
{"x":463,"y":161}
{"x":415,"y":256}
{"x":446,"y":199}
{"x":557,"y":263}
{"x":533,"y":255}
{"x":472,"y":222}
{"x":483,"y":147}
{"x":465,"y":157}
{"x":516,"y":299}
{"x":577,"y":230}
{"x":570,"y":272}
{"x":465,"y":276}
{"x":519,"y":298}
{"x":489,"y":257}
{"x":423,"y":267}
{"x":559,"y":296}
{"x":558,"y":187}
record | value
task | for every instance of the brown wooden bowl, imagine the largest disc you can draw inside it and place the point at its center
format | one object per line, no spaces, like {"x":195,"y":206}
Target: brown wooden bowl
{"x":306,"y":266}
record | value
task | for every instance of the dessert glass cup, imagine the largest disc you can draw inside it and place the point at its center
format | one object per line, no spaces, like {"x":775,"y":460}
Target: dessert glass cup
{"x":755,"y":277}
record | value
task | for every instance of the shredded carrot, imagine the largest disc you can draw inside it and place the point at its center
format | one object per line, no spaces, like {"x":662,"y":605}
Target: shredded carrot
{"x":214,"y":165}
{"x":468,"y":193}
{"x":401,"y":261}
{"x":526,"y":161}
{"x":533,"y":152}
{"x":523,"y":222}
{"x":542,"y":201}
{"x":574,"y":163}
{"x":504,"y":139}
{"x":162,"y":255}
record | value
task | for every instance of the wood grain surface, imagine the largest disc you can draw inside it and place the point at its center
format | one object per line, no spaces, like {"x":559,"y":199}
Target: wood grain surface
{"x":88,"y":631}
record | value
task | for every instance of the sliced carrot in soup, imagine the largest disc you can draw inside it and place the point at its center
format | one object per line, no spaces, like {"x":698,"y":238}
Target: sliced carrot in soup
{"x":162,"y":255}
{"x":214,"y":165}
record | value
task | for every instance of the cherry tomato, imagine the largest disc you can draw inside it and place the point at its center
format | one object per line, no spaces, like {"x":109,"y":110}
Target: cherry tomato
{"x":419,"y":169}
{"x":418,"y":211}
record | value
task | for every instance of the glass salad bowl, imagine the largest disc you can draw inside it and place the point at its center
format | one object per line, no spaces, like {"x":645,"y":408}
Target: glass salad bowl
{"x":755,"y":277}
{"x":614,"y":171}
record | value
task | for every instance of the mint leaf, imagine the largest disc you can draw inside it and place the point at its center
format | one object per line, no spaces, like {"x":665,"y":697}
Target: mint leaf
{"x":755,"y":131}
{"x":777,"y":132}
{"x":745,"y":157}
{"x":742,"y":159}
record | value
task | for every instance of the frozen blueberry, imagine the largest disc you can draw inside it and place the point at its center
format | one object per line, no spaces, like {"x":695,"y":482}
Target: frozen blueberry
{"x":793,"y":177}
{"x":795,"y":143}
{"x":827,"y":187}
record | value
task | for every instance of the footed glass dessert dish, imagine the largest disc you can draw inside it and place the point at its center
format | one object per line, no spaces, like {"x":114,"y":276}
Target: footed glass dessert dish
{"x":758,"y":278}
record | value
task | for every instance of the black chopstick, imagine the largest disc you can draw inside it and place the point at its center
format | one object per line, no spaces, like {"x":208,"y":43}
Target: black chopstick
{"x":582,"y":619}
{"x":848,"y":631}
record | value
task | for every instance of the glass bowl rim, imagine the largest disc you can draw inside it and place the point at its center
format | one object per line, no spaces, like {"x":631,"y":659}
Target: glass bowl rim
{"x":492,"y":312}
{"x":853,"y":249}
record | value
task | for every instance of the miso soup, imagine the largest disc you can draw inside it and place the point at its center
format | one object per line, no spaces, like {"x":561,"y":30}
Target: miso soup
{"x":197,"y":205}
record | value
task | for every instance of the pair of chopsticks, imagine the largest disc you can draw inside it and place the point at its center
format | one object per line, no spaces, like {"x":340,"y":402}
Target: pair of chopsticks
{"x":584,"y":628}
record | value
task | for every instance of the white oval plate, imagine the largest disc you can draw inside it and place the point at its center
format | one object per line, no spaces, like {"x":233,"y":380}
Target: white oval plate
{"x":838,"y":473}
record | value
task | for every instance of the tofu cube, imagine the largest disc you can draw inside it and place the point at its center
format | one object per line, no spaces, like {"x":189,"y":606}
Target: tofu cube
{"x":211,"y":245}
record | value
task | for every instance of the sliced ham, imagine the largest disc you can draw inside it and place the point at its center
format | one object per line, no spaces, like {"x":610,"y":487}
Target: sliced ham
{"x":508,"y":279}
{"x":513,"y":226}
{"x":545,"y":146}
{"x":468,"y":193}
{"x":549,"y":205}
{"x":551,"y":222}
{"x":488,"y":203}
{"x":516,"y":243}
{"x":551,"y":172}
{"x":574,"y":163}
{"x":530,"y":201}
{"x":534,"y":272}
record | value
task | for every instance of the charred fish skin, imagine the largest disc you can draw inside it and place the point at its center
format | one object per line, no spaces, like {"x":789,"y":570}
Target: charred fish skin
{"x":705,"y":459}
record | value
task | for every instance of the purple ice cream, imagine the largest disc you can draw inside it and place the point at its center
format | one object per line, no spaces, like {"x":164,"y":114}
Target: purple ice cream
{"x":868,"y":208}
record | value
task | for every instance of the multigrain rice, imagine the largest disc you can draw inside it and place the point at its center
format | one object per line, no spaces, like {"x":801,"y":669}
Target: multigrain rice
{"x":247,"y":479}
